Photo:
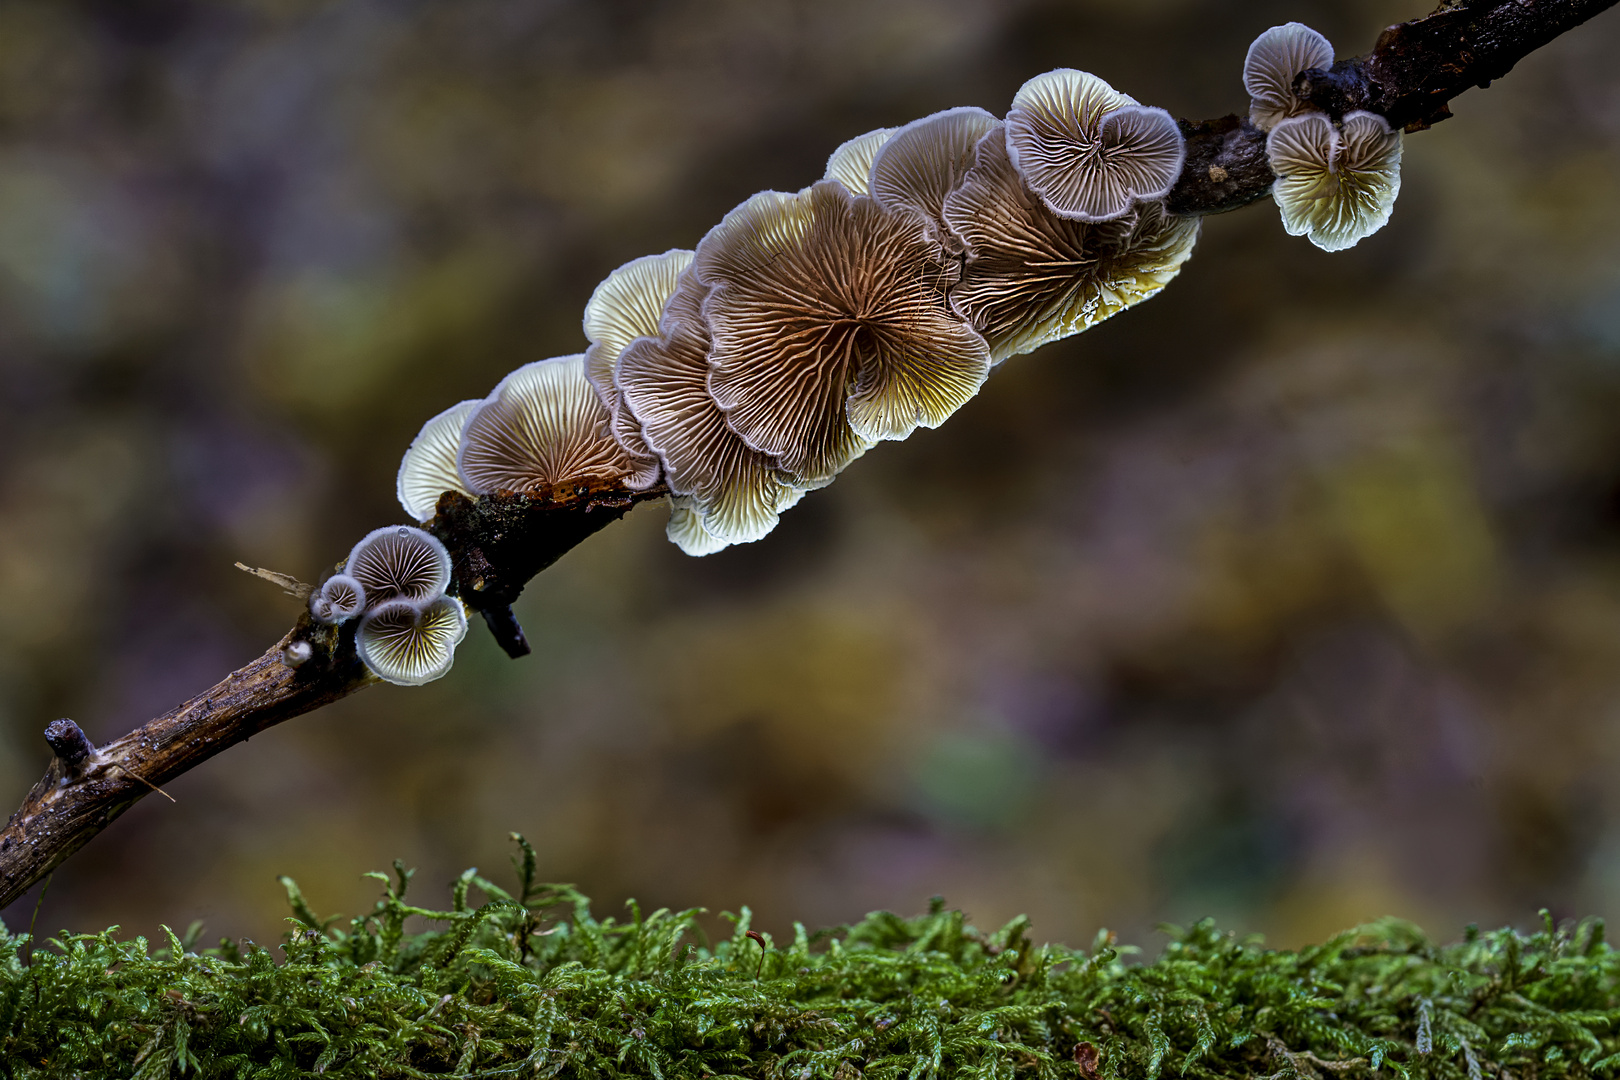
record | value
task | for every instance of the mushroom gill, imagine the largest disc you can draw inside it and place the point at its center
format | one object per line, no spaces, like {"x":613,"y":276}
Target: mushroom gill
{"x":923,"y":162}
{"x":1335,"y":185}
{"x":626,"y":306}
{"x":724,"y":492}
{"x":851,"y":163}
{"x":829,"y":327}
{"x":1032,"y":276}
{"x":409,"y":643}
{"x":1089,"y":151}
{"x":1274,"y":61}
{"x":543,"y":426}
{"x":428,"y":468}
{"x":399,"y":561}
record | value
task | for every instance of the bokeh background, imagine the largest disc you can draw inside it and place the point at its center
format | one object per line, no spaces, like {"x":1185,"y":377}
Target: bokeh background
{"x":1292,"y":597}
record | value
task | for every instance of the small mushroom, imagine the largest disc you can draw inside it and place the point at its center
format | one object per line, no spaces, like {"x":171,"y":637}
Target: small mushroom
{"x":829,"y":328}
{"x":340,"y":599}
{"x":851,"y":163}
{"x":626,"y":306}
{"x":399,"y":561}
{"x":1088,"y":150}
{"x":543,"y":426}
{"x":729,"y":491}
{"x":428,"y":468}
{"x":1034,"y":277}
{"x":409,"y":643}
{"x":1274,"y":61}
{"x":1335,"y":186}
{"x":924,"y":161}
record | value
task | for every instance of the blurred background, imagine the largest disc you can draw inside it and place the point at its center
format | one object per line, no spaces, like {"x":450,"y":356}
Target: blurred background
{"x":1292,"y":597}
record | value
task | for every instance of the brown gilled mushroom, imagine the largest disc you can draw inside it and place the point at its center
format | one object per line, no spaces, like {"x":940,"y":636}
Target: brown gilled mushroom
{"x":1032,"y":277}
{"x":724,"y":492}
{"x":428,"y":468}
{"x":1274,"y":60}
{"x":626,"y":306}
{"x":399,"y":561}
{"x":922,"y":162}
{"x":851,"y":163}
{"x":1089,"y":151}
{"x":543,"y":426}
{"x":829,"y":327}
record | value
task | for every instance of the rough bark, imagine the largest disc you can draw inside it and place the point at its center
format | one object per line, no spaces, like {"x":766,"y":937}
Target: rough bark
{"x":498,"y":543}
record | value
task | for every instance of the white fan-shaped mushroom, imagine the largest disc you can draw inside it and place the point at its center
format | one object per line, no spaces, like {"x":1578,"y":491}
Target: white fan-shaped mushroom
{"x":851,"y":163}
{"x":1089,"y":151}
{"x":409,"y":643}
{"x":1273,"y":63}
{"x":428,"y":468}
{"x":341,"y":598}
{"x":399,"y":561}
{"x":1335,"y":186}
{"x":921,"y":163}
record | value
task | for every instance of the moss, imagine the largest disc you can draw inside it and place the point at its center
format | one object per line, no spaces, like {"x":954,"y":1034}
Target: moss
{"x":532,"y":984}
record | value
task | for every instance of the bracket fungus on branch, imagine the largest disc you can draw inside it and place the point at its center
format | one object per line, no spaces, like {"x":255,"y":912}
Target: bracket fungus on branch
{"x":1336,"y":183}
{"x":1089,"y":151}
{"x":1276,"y":60}
{"x":868,"y":317}
{"x":428,"y":468}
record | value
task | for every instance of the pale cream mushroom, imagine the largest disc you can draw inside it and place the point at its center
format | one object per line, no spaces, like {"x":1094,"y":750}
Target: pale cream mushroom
{"x":543,"y":427}
{"x":1032,"y":277}
{"x":409,"y":643}
{"x":399,"y":561}
{"x":724,"y":491}
{"x":1089,"y":151}
{"x":1274,"y":61}
{"x":923,"y":162}
{"x":851,"y":163}
{"x":1335,"y":185}
{"x":428,"y":468}
{"x":626,"y":306}
{"x":829,"y":328}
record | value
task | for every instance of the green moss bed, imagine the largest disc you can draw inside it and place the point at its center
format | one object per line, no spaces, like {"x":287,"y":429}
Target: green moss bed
{"x":530,"y":983}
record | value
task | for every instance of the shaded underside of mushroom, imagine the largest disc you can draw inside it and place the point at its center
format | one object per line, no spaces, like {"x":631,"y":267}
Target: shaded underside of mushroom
{"x":726,"y":491}
{"x":1089,"y":151}
{"x":1274,"y":60}
{"x":629,"y":304}
{"x":543,"y":427}
{"x":339,"y":599}
{"x":922,"y":162}
{"x":428,"y":468}
{"x":851,"y":163}
{"x":829,"y":328}
{"x":409,"y":643}
{"x":1033,"y":277}
{"x":1335,"y":187}
{"x":399,"y":561}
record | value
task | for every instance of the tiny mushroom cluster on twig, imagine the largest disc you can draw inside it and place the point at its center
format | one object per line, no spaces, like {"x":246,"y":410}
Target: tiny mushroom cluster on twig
{"x":809,"y":326}
{"x":1337,"y":178}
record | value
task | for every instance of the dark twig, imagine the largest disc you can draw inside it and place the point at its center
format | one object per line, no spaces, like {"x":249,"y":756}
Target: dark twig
{"x":498,"y":543}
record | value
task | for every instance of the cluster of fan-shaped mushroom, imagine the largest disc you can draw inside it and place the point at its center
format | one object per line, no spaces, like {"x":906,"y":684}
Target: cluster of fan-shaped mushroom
{"x":1336,"y":181}
{"x":808,"y":326}
{"x":394,"y":582}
